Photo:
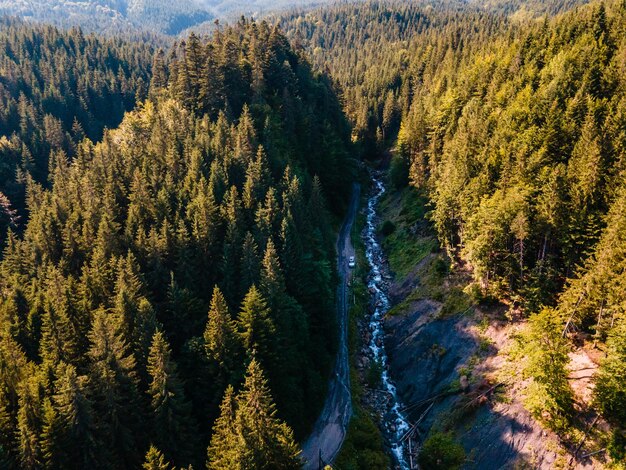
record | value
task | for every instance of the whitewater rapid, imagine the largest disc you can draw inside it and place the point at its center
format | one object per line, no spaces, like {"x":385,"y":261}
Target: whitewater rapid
{"x":394,"y":423}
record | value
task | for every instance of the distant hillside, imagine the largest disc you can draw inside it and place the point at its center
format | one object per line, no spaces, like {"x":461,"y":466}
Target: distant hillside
{"x":111,"y":15}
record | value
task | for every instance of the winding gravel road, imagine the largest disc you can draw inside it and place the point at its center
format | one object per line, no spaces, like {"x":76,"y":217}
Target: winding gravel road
{"x":330,"y":428}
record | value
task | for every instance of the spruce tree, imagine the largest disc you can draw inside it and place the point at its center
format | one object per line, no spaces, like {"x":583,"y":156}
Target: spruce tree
{"x":226,"y":447}
{"x":173,"y":427}
{"x":257,"y":180}
{"x":247,"y":434}
{"x":610,"y":389}
{"x":255,"y":326}
{"x":220,"y":338}
{"x":549,"y":396}
{"x":114,"y":385}
{"x":70,"y":431}
{"x":250,"y":264}
{"x":30,"y":423}
{"x":159,"y":74}
{"x":155,"y":460}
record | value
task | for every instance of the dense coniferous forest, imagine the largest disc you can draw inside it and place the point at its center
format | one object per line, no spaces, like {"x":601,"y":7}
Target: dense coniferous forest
{"x":167,"y":285}
{"x":57,"y":88}
{"x":181,"y":270}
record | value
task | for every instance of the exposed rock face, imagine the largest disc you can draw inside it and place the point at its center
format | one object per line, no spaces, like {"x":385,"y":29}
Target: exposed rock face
{"x":425,"y":355}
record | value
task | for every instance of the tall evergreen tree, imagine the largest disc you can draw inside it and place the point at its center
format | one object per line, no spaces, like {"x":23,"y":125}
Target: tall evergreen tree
{"x":220,"y":338}
{"x":70,"y":430}
{"x":248,"y":434}
{"x":173,"y":427}
{"x":155,"y":460}
{"x":255,"y":326}
{"x":114,"y":385}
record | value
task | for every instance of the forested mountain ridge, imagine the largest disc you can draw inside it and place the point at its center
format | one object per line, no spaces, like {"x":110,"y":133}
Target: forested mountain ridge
{"x":521,"y":151}
{"x":191,"y":244}
{"x":129,"y":16}
{"x":375,"y":50}
{"x":167,"y":295}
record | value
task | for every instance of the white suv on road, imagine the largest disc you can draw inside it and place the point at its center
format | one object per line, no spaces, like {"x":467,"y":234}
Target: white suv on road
{"x":351,"y":262}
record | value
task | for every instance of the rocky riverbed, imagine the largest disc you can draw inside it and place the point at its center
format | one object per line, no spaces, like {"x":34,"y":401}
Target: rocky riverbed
{"x":380,"y":396}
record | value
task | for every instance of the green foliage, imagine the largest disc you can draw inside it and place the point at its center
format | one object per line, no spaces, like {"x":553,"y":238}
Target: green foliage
{"x":174,"y":426}
{"x":115,"y":389}
{"x":512,"y":131}
{"x":610,"y":390}
{"x":219,"y":333}
{"x":255,"y":326}
{"x":510,"y":127}
{"x":399,"y":172}
{"x":58,"y":87}
{"x":617,"y":445}
{"x":155,"y":460}
{"x":248,"y":434}
{"x":408,"y":237}
{"x":441,"y":451}
{"x":549,"y":396}
{"x":363,"y":448}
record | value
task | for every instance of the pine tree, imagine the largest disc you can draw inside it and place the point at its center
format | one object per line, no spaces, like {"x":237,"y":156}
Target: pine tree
{"x":173,"y":428}
{"x":255,"y":326}
{"x":267,"y":217}
{"x":272,"y":278}
{"x":64,"y":325}
{"x":257,"y":180}
{"x":247,"y":434}
{"x":291,"y":256}
{"x":158,"y":81}
{"x":226,"y":448}
{"x":219,"y":336}
{"x":114,"y":383}
{"x":549,"y":396}
{"x":30,"y":423}
{"x":232,"y":214}
{"x":147,"y":326}
{"x":610,"y":389}
{"x":194,"y":57}
{"x":155,"y":460}
{"x":210,"y":92}
{"x":250,"y":264}
{"x":70,"y":431}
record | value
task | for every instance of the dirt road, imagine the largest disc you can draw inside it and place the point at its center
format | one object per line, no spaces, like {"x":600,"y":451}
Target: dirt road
{"x":330,"y":428}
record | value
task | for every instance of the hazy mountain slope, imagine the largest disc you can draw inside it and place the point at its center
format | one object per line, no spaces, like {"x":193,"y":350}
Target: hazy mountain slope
{"x":162,"y":16}
{"x":111,"y":15}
